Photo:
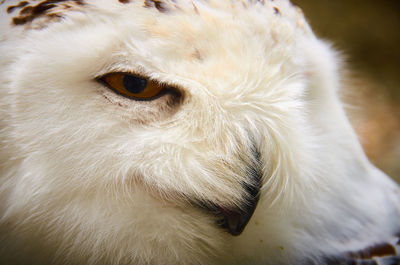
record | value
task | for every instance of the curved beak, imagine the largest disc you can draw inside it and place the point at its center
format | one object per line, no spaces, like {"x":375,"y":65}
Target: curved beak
{"x":236,"y":219}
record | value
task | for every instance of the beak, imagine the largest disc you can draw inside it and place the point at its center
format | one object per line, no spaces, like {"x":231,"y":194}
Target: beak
{"x":235,"y":219}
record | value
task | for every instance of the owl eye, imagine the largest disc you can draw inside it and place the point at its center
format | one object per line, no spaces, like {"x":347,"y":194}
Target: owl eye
{"x":133,"y":86}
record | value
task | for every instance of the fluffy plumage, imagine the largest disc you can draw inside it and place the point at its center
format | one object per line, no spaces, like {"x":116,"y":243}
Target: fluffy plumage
{"x":91,"y":177}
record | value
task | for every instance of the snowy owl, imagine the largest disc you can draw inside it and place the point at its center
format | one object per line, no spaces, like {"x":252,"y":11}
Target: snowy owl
{"x":165,"y":132}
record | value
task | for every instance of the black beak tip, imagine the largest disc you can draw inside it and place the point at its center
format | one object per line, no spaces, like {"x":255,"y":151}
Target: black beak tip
{"x":235,"y":220}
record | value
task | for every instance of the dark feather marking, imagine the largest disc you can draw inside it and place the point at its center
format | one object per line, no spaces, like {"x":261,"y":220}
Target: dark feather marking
{"x":379,"y":254}
{"x":29,"y":13}
{"x":10,"y":9}
{"x":380,"y":250}
{"x":158,"y":4}
{"x":124,"y":1}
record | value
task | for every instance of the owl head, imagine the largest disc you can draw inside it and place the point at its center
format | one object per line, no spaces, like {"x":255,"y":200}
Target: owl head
{"x":152,"y":132}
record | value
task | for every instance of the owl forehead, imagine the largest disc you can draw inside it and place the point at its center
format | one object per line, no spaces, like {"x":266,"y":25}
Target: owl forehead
{"x":218,"y":38}
{"x":27,"y":12}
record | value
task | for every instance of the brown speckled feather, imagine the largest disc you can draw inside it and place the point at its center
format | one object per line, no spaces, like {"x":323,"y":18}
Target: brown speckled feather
{"x":28,"y":12}
{"x":379,"y":254}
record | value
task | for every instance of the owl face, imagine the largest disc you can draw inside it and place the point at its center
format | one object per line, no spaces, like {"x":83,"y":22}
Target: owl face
{"x":134,"y":127}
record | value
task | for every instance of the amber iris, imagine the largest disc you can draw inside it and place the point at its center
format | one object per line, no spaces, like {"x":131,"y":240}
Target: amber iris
{"x":133,"y":86}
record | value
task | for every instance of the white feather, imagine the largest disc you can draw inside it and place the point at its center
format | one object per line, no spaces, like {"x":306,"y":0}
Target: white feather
{"x":91,"y":177}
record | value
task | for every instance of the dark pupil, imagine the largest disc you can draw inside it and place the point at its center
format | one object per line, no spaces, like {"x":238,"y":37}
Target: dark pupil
{"x":134,"y":84}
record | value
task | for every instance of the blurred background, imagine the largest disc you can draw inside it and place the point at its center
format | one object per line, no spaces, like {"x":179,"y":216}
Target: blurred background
{"x":367,"y":33}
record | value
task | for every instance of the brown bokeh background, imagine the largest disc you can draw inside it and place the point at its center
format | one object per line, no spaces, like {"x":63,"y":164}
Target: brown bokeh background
{"x":367,"y":32}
